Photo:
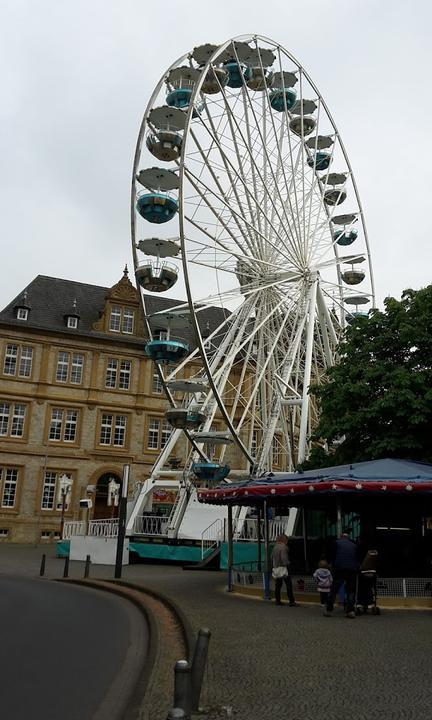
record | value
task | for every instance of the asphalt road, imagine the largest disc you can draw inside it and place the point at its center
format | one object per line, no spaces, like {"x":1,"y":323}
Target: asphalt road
{"x":67,"y":652}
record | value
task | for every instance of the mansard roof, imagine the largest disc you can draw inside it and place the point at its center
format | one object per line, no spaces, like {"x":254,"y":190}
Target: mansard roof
{"x":51,"y":299}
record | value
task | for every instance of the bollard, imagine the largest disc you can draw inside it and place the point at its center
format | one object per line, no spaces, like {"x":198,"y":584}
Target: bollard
{"x":66,"y":567}
{"x":87,"y":567}
{"x":42,"y":567}
{"x":182,"y":686}
{"x":177,"y":714}
{"x":198,"y":665}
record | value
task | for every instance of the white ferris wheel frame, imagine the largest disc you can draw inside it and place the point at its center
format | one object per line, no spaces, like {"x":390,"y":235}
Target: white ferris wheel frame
{"x":314,"y":304}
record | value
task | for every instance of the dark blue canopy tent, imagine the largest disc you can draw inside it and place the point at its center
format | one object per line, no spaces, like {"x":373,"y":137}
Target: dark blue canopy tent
{"x":389,"y":501}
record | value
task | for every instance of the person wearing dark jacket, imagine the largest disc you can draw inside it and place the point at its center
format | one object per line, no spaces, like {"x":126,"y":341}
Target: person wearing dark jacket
{"x":280,"y":562}
{"x":345,"y":567}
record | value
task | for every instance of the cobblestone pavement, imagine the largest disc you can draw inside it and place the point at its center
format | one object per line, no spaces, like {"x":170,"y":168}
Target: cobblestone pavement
{"x":280,"y":662}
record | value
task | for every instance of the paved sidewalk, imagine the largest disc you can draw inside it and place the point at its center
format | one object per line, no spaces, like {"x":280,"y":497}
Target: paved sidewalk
{"x":280,"y":662}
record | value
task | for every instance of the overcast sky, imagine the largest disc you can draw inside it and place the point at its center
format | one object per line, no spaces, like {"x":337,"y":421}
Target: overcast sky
{"x":76,"y":77}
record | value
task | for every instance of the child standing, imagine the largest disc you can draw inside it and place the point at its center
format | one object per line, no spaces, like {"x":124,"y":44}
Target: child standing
{"x":324,"y":580}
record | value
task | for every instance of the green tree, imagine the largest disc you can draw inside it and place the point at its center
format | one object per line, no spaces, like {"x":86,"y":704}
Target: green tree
{"x":378,"y":399}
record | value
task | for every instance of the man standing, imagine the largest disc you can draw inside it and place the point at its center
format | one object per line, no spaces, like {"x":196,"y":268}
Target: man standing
{"x":345,"y":568}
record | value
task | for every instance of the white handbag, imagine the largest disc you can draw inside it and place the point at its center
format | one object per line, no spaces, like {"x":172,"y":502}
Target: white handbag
{"x":279,"y":572}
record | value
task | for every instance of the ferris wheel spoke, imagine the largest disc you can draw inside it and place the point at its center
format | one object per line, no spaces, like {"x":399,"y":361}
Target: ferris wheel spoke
{"x":249,"y":236}
{"x":228,"y":168}
{"x":257,"y":171}
{"x":237,"y":132}
{"x":192,"y":179}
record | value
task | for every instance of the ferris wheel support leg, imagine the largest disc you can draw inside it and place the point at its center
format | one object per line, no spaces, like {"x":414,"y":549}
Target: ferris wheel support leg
{"x":325,"y":312}
{"x":149,"y":484}
{"x":307,"y":373}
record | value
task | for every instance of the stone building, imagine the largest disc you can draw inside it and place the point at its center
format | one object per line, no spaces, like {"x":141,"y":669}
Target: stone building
{"x":78,"y":400}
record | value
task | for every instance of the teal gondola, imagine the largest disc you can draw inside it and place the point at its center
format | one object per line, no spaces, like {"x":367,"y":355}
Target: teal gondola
{"x":157,"y":207}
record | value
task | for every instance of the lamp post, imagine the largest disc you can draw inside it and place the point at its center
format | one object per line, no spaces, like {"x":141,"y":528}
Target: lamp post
{"x":65,"y":486}
{"x":122,"y":522}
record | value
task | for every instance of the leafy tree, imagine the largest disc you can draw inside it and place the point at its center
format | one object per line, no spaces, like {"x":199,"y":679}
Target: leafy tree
{"x":378,"y":399}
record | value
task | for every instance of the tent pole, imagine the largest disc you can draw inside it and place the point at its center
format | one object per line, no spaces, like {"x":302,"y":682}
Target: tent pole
{"x":338,"y":519}
{"x":230,"y":547}
{"x":305,"y":553}
{"x":266,"y":553}
{"x":259,"y":516}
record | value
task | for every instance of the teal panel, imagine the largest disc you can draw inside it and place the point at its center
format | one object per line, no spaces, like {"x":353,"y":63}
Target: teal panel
{"x":244,"y":552}
{"x":173,"y":553}
{"x":62,"y":548}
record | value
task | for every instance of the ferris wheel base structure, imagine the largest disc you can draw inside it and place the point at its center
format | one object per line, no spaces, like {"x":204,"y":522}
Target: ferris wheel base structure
{"x":239,"y":172}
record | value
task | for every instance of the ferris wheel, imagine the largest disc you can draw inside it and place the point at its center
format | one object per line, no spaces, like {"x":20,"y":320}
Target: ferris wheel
{"x":239,"y":174}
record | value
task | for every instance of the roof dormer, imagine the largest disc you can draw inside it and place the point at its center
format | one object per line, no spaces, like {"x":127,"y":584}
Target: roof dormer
{"x":72,"y":317}
{"x":23,"y":307}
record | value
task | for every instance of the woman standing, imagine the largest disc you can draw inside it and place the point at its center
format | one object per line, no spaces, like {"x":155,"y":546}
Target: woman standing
{"x":280,"y":564}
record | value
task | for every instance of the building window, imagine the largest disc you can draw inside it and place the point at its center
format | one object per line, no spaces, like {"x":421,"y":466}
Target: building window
{"x":22,"y":314}
{"x":165,"y":433}
{"x":69,"y":367}
{"x":9,"y":481}
{"x":276,"y":451}
{"x":118,"y":374}
{"x":4,"y":532}
{"x":157,"y":387}
{"x":113,"y":430}
{"x":121,"y":320}
{"x":153,"y":434}
{"x":254,"y":443}
{"x":51,"y":491}
{"x":128,"y":321}
{"x":63,"y":425}
{"x":158,"y":434}
{"x":12,"y":418}
{"x":72,"y":322}
{"x":160,"y":335}
{"x":115,"y":319}
{"x":19,"y":358}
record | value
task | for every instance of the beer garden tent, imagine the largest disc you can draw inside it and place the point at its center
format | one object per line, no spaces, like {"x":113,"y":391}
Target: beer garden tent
{"x":390,"y":498}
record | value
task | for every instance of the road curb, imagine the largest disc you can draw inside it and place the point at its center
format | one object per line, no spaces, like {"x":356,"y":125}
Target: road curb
{"x":137,"y":706}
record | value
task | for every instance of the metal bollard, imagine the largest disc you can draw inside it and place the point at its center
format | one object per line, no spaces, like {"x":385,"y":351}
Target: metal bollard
{"x":87,"y":567}
{"x":182,"y":686}
{"x":66,"y":567}
{"x":177,"y":714}
{"x":42,"y":565}
{"x":198,"y":665}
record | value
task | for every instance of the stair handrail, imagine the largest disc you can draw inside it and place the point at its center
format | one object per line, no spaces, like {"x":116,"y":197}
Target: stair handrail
{"x":211,"y":537}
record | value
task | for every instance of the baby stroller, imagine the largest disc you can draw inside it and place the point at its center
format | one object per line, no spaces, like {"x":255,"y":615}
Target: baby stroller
{"x":366,"y":585}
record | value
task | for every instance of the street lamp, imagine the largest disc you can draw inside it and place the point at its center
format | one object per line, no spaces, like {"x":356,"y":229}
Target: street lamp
{"x":113,"y":495}
{"x":65,"y":487}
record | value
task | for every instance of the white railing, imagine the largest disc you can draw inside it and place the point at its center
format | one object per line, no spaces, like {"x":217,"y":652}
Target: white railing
{"x":247,"y":530}
{"x":103,"y":528}
{"x":211,"y":537}
{"x":72,"y":528}
{"x":150,"y":525}
{"x":107,"y":528}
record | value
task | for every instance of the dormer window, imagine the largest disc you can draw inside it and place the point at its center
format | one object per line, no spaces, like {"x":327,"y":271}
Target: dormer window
{"x":72,"y":317}
{"x":122,"y":319}
{"x":22,"y":314}
{"x":22,"y":308}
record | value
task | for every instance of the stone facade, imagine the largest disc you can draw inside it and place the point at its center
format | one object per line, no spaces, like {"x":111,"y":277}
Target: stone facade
{"x":73,"y":403}
{"x":79,"y":399}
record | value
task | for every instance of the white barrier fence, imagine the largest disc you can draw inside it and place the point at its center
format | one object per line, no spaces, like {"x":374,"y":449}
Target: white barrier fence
{"x":96,"y":528}
{"x":247,"y":530}
{"x":151,"y":525}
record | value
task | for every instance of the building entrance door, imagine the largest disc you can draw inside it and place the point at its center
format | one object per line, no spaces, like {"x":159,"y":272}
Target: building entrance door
{"x":102,"y":510}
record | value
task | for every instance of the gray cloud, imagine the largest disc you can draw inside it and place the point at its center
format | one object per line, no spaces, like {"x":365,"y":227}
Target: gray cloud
{"x":76,"y":79}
